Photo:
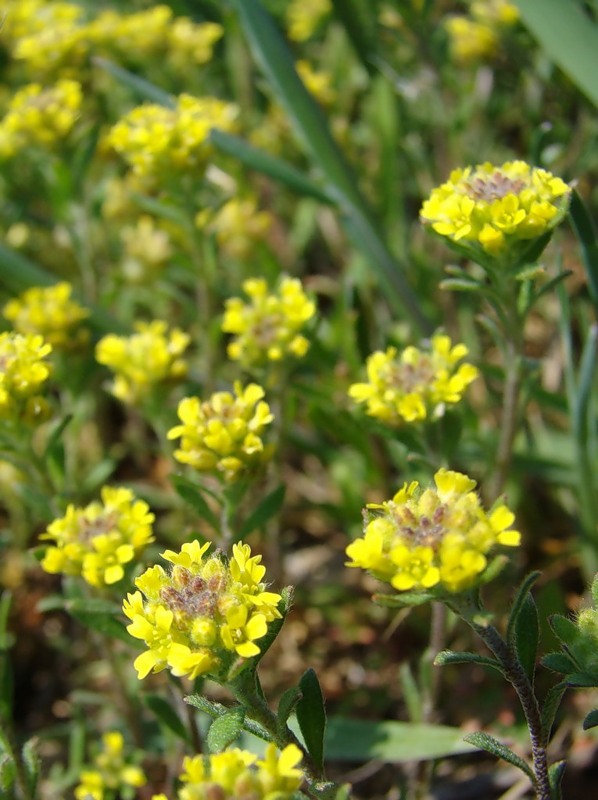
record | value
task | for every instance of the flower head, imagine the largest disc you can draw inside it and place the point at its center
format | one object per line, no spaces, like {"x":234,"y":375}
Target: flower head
{"x":149,"y":357}
{"x":223,"y":434}
{"x":495,"y":211}
{"x":99,"y":540}
{"x":268,"y":327}
{"x":49,"y":311}
{"x":158,"y":141}
{"x":428,"y":537}
{"x":304,"y":16}
{"x":40,"y":117}
{"x":23,"y":371}
{"x":415,"y":384}
{"x":111,"y":771}
{"x":198,"y":617}
{"x":237,"y":225}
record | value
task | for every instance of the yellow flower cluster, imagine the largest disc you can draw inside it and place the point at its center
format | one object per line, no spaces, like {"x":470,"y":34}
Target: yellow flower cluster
{"x":26,"y":17}
{"x":223,"y":434}
{"x":493,"y":209}
{"x":142,"y":361}
{"x":54,"y":37}
{"x":239,"y":775}
{"x":197,"y":618}
{"x":425,"y":537}
{"x":155,"y":140}
{"x":237,"y":225}
{"x":147,"y":247}
{"x":96,"y":541}
{"x":416,"y":384}
{"x":477,"y":37}
{"x":111,"y":772}
{"x":267,"y":328}
{"x":304,"y":16}
{"x":23,"y":371}
{"x":40,"y":117}
{"x":50,"y":312}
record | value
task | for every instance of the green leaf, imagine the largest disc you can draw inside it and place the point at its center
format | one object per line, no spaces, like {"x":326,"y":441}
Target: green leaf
{"x":268,"y":508}
{"x":459,"y":285}
{"x":555,"y":777}
{"x":225,"y":729}
{"x":311,"y":716}
{"x":527,"y":635}
{"x":191,"y":494}
{"x":32,"y":764}
{"x":565,"y":629}
{"x":581,"y":680}
{"x":404,"y":599}
{"x":8,"y":772}
{"x":569,"y":37}
{"x":591,"y":720}
{"x":452,"y":657}
{"x":286,"y":705}
{"x":411,"y":693}
{"x":359,"y":20}
{"x":550,"y":706}
{"x":558,"y":662}
{"x":263,"y":162}
{"x":142,"y":88}
{"x":361,"y":740}
{"x":518,"y":603}
{"x":166,"y":714}
{"x":311,"y":127}
{"x":102,"y":623}
{"x":491,"y":745}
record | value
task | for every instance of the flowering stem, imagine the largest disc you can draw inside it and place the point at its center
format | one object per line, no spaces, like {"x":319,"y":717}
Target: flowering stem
{"x":517,"y":677}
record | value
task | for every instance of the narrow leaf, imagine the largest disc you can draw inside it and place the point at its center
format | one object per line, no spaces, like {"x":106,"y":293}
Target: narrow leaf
{"x":32,"y":763}
{"x":518,"y":603}
{"x":104,"y":624}
{"x":274,"y":167}
{"x":7,"y":773}
{"x":268,"y":508}
{"x":286,"y":705}
{"x":591,"y":720}
{"x":311,"y":716}
{"x":558,"y":662}
{"x":569,"y":37}
{"x":555,"y":777}
{"x":451,"y":657}
{"x":581,"y":680}
{"x":403,"y":600}
{"x":142,"y":88}
{"x":550,"y":706}
{"x":192,"y":495}
{"x":166,"y":714}
{"x":491,"y":745}
{"x":527,"y":635}
{"x":359,"y":20}
{"x":225,"y":729}
{"x":564,"y":628}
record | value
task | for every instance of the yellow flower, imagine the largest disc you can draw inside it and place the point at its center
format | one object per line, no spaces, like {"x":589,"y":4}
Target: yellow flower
{"x":23,"y":371}
{"x":304,"y":16}
{"x":495,"y":211}
{"x":99,"y":540}
{"x":49,"y":311}
{"x":223,"y":434}
{"x":497,"y":12}
{"x":111,"y":772}
{"x":39,"y":117}
{"x":416,"y":384}
{"x":267,"y":328}
{"x":238,"y":774}
{"x":439,"y":536}
{"x":318,"y":83}
{"x":140,"y":362}
{"x":158,"y":141}
{"x":237,"y":225}
{"x":470,"y":40}
{"x":197,"y":618}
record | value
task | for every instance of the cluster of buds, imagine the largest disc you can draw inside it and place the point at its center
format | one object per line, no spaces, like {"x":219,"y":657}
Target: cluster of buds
{"x":50,"y":312}
{"x":23,"y":371}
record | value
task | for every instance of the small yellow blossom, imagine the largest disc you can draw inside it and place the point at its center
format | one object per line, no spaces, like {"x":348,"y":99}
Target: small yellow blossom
{"x":470,"y":40}
{"x":237,"y":225}
{"x":157,"y":141}
{"x":140,"y":362}
{"x":318,"y":83}
{"x":111,"y":772}
{"x":423,"y":538}
{"x":223,"y":434}
{"x":304,"y":16}
{"x":51,"y":312}
{"x":39,"y":117}
{"x":491,"y":210}
{"x":98,"y":541}
{"x":197,"y":618}
{"x":497,"y":12}
{"x":416,"y":384}
{"x":23,"y":371}
{"x":190,"y":42}
{"x":267,"y":328}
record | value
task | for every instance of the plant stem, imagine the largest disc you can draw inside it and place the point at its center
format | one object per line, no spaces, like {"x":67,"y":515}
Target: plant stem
{"x":517,"y":677}
{"x":509,"y":417}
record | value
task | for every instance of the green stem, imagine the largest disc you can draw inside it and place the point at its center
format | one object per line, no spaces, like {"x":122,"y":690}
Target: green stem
{"x":509,"y":417}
